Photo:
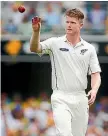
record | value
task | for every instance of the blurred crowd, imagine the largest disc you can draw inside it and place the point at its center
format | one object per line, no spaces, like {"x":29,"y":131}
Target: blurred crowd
{"x":52,"y":14}
{"x":34,"y":117}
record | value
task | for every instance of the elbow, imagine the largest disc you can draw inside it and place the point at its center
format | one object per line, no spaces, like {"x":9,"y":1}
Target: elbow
{"x":99,"y":77}
{"x":100,"y":80}
{"x":31,"y":49}
{"x":35,"y":50}
{"x":96,"y":76}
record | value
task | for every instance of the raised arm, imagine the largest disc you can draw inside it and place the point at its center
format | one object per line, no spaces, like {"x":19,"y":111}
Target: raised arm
{"x":35,"y":38}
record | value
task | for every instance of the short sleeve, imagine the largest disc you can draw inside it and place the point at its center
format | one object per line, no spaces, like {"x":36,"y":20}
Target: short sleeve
{"x":94,"y":65}
{"x":46,"y":46}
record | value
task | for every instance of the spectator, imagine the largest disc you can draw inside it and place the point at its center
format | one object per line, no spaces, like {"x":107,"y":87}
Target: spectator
{"x":93,"y":131}
{"x":42,"y":117}
{"x":2,"y":27}
{"x":106,"y":25}
{"x":15,"y":15}
{"x":33,"y":127}
{"x":105,"y":128}
{"x":97,"y":18}
{"x":95,"y":23}
{"x":10,"y":27}
{"x":100,"y":118}
{"x":51,"y":17}
{"x":25,"y":27}
{"x":31,"y":13}
{"x":30,"y":111}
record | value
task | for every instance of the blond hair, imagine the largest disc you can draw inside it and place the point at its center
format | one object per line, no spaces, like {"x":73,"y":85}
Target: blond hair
{"x":75,"y":13}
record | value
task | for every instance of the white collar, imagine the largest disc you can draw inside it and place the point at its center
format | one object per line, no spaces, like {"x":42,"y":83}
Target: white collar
{"x":78,"y":44}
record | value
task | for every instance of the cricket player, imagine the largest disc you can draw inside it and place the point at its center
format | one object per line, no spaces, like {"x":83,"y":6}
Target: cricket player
{"x":72,"y":59}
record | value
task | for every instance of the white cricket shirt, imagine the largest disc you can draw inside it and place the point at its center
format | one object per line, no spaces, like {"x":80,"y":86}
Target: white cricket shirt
{"x":70,"y":64}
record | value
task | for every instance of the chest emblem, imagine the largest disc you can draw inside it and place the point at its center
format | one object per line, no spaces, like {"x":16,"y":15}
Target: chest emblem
{"x":64,"y":49}
{"x":83,"y":51}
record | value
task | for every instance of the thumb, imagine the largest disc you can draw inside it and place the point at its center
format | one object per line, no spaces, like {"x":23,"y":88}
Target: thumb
{"x":40,"y":20}
{"x":39,"y":25}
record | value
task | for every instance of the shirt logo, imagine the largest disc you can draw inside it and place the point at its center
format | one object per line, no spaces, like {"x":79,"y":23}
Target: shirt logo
{"x":64,"y":49}
{"x":83,"y":51}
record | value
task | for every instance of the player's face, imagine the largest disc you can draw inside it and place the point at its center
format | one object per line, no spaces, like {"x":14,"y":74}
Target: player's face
{"x":73,"y":25}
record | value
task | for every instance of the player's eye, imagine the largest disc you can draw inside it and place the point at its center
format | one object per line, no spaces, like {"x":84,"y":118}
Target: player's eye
{"x":73,"y":23}
{"x":67,"y":22}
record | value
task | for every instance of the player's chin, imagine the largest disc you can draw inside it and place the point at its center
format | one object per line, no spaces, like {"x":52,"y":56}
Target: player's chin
{"x":69,"y":32}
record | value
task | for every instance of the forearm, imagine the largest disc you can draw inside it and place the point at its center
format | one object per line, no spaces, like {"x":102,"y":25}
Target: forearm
{"x":95,"y":81}
{"x":35,"y":42}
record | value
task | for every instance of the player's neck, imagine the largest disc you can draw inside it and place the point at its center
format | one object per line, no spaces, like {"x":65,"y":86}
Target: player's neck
{"x":73,"y":39}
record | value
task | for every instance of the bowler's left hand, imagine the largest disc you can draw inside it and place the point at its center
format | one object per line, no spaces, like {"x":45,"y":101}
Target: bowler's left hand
{"x":92,"y":95}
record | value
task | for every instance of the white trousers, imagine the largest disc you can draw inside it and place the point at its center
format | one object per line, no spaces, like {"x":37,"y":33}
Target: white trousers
{"x":70,"y":113}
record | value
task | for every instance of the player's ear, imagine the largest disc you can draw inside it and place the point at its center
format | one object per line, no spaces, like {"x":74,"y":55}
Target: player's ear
{"x":81,"y":25}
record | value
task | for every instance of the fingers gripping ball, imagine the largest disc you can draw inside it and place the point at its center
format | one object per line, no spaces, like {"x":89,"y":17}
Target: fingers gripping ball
{"x":36,"y":24}
{"x":21,"y":9}
{"x":36,"y":20}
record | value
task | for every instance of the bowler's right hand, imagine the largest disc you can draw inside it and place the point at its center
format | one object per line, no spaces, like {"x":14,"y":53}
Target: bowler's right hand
{"x":36,"y":24}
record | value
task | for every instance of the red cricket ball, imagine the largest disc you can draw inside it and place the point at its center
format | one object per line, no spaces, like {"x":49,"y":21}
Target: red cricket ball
{"x":21,"y":9}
